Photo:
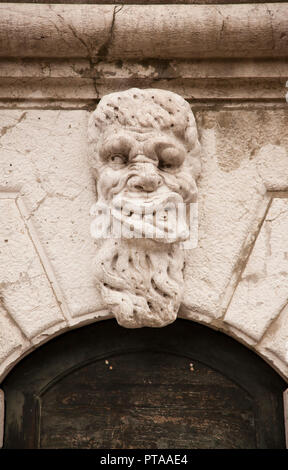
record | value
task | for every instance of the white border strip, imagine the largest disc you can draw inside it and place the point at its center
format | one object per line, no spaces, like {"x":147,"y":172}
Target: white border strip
{"x":285,"y":399}
{"x":2,"y":414}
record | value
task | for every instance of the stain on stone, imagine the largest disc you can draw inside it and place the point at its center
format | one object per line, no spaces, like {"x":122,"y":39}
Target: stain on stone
{"x":205,"y":120}
{"x":254,"y":278}
{"x":239,"y":136}
{"x":224,"y":119}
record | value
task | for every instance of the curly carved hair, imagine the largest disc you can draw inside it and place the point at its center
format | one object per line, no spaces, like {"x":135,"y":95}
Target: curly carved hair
{"x":149,"y":108}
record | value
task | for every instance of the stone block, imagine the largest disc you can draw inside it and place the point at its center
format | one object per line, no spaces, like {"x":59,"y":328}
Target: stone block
{"x":25,"y":289}
{"x":263,"y":288}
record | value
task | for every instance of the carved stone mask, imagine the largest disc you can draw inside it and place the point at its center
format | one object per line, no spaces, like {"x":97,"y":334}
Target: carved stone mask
{"x":145,"y":154}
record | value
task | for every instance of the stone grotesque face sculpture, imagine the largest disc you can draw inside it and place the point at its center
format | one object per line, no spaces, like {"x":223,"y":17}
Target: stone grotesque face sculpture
{"x":145,"y":154}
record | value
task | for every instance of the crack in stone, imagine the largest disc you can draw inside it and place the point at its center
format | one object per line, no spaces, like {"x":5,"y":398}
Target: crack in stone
{"x":104,"y":49}
{"x":44,"y":261}
{"x":283,"y":212}
{"x":244,"y":255}
{"x":23,"y":278}
{"x":72,"y":29}
{"x":59,"y":31}
{"x":271,"y":25}
{"x":5,"y":129}
{"x":52,"y":195}
{"x":223,"y":21}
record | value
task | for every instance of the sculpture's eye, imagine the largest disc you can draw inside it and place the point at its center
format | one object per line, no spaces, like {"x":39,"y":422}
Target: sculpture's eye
{"x":170,"y":158}
{"x":117,"y":159}
{"x":164,"y":165}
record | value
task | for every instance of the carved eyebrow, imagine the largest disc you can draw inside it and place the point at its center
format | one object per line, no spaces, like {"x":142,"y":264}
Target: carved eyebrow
{"x":167,"y":140}
{"x":160,"y":145}
{"x":116,"y":144}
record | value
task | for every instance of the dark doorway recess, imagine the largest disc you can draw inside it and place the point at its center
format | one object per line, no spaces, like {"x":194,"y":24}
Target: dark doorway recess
{"x":182,"y":386}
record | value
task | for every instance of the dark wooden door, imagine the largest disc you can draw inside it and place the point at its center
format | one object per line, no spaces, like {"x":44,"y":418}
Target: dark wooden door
{"x":183,"y":386}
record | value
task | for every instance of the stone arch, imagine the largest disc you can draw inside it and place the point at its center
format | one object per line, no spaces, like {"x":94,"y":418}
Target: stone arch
{"x":226,"y":288}
{"x":232,"y":389}
{"x":25,"y":349}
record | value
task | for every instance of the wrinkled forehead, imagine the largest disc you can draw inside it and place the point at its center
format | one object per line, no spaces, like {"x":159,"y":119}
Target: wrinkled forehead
{"x":137,"y":134}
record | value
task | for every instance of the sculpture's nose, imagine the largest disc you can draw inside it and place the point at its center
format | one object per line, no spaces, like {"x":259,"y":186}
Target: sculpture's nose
{"x":147,"y":179}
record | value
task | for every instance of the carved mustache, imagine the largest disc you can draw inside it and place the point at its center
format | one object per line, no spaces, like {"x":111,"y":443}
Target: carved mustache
{"x":169,"y":181}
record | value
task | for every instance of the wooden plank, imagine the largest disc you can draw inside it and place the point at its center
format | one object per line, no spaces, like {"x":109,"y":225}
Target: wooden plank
{"x":147,"y":400}
{"x":182,"y":386}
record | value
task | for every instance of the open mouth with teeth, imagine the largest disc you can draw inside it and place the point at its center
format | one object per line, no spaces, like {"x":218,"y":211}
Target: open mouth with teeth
{"x":161,"y":217}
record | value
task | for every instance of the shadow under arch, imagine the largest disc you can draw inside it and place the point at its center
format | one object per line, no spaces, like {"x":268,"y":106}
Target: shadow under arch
{"x":105,"y":386}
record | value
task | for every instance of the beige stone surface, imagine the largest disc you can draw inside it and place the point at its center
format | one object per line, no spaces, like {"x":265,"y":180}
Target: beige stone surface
{"x":43,"y":155}
{"x":262,"y":291}
{"x":200,"y":80}
{"x":138,"y":2}
{"x":80,"y":79}
{"x":55,"y":31}
{"x":230,"y":62}
{"x":25,"y":289}
{"x":13,"y":343}
{"x":101,"y":49}
{"x":274,"y":344}
{"x":272,"y":163}
{"x":117,"y":31}
{"x":231,"y":202}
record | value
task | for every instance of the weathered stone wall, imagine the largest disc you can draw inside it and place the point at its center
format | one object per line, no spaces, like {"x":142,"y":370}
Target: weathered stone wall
{"x":230,"y":63}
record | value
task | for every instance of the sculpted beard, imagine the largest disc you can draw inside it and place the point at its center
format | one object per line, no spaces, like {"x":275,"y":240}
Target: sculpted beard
{"x":141,"y":279}
{"x":141,"y":288}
